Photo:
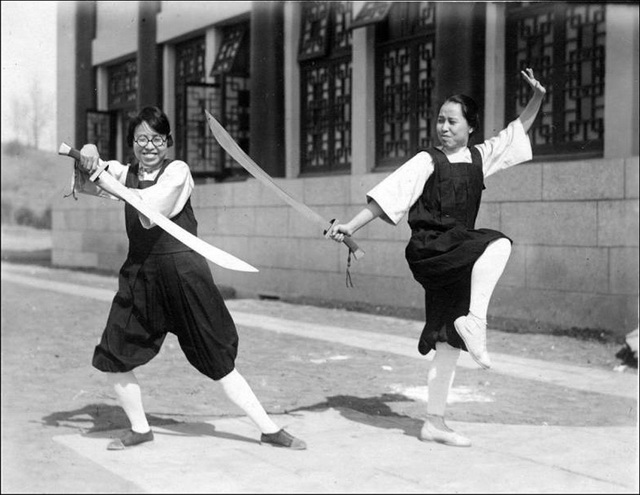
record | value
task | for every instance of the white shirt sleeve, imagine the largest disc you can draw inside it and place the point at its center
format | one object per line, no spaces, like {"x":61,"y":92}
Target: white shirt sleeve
{"x":169,"y":195}
{"x":397,"y":193}
{"x":510,"y":147}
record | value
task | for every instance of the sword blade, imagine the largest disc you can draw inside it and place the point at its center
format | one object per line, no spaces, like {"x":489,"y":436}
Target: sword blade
{"x":212,"y":253}
{"x":233,"y":149}
{"x":230,"y":146}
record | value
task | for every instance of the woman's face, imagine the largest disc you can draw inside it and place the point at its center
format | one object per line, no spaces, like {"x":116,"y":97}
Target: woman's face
{"x":149,"y":154}
{"x":452,"y":128}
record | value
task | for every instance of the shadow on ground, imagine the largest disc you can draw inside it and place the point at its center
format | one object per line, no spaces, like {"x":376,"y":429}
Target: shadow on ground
{"x":372,"y":411}
{"x":94,"y":418}
{"x":100,"y":420}
{"x":104,"y":421}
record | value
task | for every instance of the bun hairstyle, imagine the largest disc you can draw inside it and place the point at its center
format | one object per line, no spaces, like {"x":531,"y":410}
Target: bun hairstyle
{"x":470,"y":109}
{"x":156,"y":119}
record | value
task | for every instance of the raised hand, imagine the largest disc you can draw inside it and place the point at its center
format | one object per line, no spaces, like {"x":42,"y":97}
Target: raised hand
{"x":533,"y":82}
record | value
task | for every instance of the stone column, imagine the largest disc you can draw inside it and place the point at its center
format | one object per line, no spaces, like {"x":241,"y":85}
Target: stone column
{"x":85,"y":81}
{"x":460,"y":52}
{"x":267,"y":87}
{"x":149,"y":58}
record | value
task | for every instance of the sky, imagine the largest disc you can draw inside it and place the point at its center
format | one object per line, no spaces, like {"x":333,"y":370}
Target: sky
{"x":28,"y":51}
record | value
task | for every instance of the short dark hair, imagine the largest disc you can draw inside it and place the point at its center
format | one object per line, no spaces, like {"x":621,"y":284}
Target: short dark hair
{"x":470,"y":109}
{"x":156,"y":119}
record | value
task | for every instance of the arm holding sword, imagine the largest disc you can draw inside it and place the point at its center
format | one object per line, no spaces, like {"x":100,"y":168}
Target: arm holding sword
{"x":168,"y":195}
{"x":370,"y":212}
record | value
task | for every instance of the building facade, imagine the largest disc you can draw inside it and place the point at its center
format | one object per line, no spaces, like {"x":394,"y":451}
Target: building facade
{"x":329,"y":98}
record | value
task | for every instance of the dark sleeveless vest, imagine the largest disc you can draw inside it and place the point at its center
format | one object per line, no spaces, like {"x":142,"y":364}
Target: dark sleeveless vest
{"x":155,"y":240}
{"x":445,"y":245}
{"x":451,"y":196}
{"x":442,"y":222}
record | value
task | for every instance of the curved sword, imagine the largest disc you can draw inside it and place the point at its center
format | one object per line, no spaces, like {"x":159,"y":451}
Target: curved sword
{"x":231,"y":147}
{"x":212,"y":253}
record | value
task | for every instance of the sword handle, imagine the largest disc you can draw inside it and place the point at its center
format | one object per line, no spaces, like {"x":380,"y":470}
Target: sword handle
{"x":353,"y":247}
{"x":67,"y":150}
{"x":356,"y":251}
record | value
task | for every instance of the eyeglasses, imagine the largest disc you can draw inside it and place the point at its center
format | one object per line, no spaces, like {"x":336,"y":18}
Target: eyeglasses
{"x":143,"y":140}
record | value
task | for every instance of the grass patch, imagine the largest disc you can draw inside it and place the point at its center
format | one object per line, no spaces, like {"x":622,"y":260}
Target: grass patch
{"x":32,"y":180}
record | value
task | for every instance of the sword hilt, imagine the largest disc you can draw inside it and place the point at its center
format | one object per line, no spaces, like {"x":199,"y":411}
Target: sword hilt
{"x":67,"y":150}
{"x":356,"y":251}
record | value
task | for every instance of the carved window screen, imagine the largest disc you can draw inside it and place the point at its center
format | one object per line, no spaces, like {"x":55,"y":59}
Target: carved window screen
{"x":405,"y":82}
{"x":325,"y":78}
{"x":371,"y":13}
{"x":123,"y":85}
{"x":201,"y":151}
{"x":233,"y":55}
{"x":564,"y":43}
{"x":102,"y":131}
{"x":235,"y":102}
{"x":231,"y":71}
{"x":189,"y":69}
{"x":123,"y":99}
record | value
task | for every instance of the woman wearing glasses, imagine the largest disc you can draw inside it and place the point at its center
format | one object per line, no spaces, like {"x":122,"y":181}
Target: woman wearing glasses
{"x":164,"y":286}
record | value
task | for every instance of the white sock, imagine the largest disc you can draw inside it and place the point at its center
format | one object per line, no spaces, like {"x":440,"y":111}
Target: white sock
{"x":486,"y":272}
{"x":130,"y":398}
{"x":440,"y":378}
{"x":240,"y":393}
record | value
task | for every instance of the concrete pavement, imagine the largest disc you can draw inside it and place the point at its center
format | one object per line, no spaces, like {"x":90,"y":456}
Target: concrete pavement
{"x":358,"y":453}
{"x":350,"y":456}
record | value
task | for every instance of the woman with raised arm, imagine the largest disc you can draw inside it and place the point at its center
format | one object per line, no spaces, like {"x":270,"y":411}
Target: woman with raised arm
{"x":458,"y":265}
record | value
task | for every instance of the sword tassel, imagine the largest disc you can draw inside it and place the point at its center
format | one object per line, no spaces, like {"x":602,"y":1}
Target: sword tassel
{"x":349,"y":282}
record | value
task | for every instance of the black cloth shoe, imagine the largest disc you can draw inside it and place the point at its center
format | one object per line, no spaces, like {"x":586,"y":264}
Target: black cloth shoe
{"x":130,"y":439}
{"x":283,"y":439}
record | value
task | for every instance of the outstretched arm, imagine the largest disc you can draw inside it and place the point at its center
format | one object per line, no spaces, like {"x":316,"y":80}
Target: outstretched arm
{"x":366,"y":215}
{"x":530,"y":112}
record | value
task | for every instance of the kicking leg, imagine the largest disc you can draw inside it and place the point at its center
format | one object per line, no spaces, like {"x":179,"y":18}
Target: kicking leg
{"x":240,"y":393}
{"x":486,"y":272}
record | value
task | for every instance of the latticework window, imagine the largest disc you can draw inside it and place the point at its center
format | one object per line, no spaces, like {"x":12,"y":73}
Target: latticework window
{"x":405,"y":42}
{"x":237,"y":114}
{"x":233,"y":56}
{"x":201,"y":151}
{"x":123,"y":98}
{"x":231,"y":70}
{"x":123,"y":84}
{"x":325,"y":75}
{"x":565,"y":45}
{"x":102,"y":131}
{"x":189,"y":69}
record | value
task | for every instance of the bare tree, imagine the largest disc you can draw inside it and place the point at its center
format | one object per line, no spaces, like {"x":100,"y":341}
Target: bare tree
{"x":31,"y":112}
{"x":40,"y":111}
{"x":18,"y":110}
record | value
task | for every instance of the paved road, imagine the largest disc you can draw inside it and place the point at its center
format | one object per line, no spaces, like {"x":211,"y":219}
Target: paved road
{"x":347,"y":384}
